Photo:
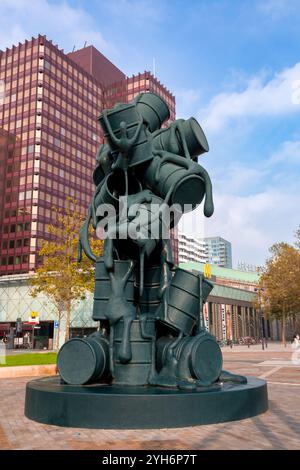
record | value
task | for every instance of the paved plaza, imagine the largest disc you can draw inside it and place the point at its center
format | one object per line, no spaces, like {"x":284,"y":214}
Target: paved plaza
{"x":278,"y":428}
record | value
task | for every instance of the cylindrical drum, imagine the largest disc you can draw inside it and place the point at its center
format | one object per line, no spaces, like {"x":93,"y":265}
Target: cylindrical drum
{"x":84,"y":360}
{"x":153,"y":110}
{"x":171,"y":141}
{"x":149,"y":301}
{"x":122,"y":113}
{"x":199,"y":357}
{"x":186,"y":190}
{"x":113,"y":187}
{"x":102,"y":290}
{"x":183,"y":302}
{"x":137,"y":371}
{"x":128,"y":113}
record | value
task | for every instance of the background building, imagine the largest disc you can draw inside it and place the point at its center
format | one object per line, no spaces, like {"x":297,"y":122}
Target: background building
{"x":190,"y":249}
{"x":49,"y":135}
{"x":229,"y":312}
{"x":218,"y":251}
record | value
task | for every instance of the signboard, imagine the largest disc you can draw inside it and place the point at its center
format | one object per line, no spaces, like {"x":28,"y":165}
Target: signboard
{"x":223,"y":316}
{"x":205,"y":317}
{"x":56,"y":324}
{"x":34,"y":318}
{"x":207,"y":271}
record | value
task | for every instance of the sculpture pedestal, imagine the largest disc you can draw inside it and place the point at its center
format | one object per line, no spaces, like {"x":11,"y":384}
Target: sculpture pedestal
{"x":114,"y":407}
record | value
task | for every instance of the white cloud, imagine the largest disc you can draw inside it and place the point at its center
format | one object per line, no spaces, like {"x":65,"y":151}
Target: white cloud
{"x":289,"y":152}
{"x":64,"y":24}
{"x":260,"y":98}
{"x":186,"y":100}
{"x":253,"y":223}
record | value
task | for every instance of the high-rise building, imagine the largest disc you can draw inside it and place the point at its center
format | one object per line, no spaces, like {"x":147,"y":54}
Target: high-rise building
{"x":218,"y":251}
{"x":49,"y":135}
{"x":190,"y":249}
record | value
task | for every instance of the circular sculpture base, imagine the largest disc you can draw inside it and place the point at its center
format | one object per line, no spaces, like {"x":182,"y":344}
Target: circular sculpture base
{"x":114,"y":407}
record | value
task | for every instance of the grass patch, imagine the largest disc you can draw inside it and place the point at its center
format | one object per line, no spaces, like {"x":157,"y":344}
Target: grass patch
{"x":28,"y":359}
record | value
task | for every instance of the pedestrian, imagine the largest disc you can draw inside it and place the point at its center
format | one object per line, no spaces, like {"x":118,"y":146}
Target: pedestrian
{"x":296,"y":341}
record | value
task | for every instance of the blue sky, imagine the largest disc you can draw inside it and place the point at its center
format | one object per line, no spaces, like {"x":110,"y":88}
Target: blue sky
{"x":234,"y":65}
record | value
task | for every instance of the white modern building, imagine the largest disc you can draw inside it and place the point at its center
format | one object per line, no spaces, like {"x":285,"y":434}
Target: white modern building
{"x":212,"y":250}
{"x":190,"y":249}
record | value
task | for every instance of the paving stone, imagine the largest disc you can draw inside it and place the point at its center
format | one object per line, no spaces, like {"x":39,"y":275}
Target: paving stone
{"x":278,"y":428}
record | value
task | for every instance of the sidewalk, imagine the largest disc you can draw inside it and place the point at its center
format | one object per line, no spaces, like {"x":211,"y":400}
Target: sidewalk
{"x":271,"y":346}
{"x":278,"y":428}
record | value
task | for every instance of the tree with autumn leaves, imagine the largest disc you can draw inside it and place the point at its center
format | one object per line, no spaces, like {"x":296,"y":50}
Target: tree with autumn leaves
{"x":279,"y":284}
{"x":60,"y":277}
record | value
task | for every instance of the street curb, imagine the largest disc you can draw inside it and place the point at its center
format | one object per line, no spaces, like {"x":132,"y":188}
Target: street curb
{"x":27,"y":371}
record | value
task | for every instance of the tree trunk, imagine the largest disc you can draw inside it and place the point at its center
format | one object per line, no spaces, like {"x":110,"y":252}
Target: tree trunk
{"x":283,"y":324}
{"x":58,"y":330}
{"x":68,"y":319}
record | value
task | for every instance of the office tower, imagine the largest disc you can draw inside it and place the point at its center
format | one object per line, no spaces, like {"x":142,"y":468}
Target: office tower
{"x":218,"y":251}
{"x":49,"y":135}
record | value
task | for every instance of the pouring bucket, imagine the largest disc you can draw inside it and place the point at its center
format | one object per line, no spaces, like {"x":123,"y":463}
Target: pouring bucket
{"x":186,"y":189}
{"x":153,"y":110}
{"x":184,"y":301}
{"x":171,"y":141}
{"x":113,"y":187}
{"x":141,"y":149}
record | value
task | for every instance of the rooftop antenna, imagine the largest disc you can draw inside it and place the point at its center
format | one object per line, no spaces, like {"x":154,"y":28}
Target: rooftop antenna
{"x":153,"y":67}
{"x":73,"y":49}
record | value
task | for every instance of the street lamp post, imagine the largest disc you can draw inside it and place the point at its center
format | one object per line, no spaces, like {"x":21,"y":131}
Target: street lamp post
{"x":262,"y":331}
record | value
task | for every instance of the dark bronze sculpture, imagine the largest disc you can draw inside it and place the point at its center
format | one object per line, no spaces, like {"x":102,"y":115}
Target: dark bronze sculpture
{"x":152,"y":344}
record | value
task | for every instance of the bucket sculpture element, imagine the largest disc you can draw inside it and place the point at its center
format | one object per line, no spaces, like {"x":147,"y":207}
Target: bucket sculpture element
{"x":151,"y":363}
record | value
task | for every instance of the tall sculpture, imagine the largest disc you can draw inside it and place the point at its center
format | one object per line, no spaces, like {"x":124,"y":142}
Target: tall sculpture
{"x":151,"y":345}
